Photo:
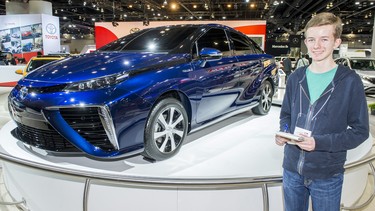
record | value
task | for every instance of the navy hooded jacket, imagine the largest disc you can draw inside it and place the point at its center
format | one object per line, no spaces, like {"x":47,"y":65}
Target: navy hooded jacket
{"x":340,"y":118}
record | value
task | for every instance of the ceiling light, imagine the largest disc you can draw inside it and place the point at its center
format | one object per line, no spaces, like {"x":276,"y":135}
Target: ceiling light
{"x":84,"y":3}
{"x":247,"y":1}
{"x":165,"y":2}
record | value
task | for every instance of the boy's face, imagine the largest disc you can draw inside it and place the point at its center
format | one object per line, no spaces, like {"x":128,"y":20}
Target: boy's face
{"x":320,"y":42}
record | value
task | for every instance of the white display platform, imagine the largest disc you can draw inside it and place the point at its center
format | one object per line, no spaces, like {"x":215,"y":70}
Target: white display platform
{"x":217,"y":169}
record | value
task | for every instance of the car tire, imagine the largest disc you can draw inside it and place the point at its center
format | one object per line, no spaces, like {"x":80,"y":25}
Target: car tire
{"x":166,"y":129}
{"x":265,"y":100}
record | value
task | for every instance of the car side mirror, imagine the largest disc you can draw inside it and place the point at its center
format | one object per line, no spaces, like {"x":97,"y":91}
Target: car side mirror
{"x":210,"y":54}
{"x":19,"y":71}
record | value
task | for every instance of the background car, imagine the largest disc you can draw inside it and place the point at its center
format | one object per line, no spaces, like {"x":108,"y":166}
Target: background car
{"x":279,"y":61}
{"x":143,"y":92}
{"x":38,"y":61}
{"x":365,"y":67}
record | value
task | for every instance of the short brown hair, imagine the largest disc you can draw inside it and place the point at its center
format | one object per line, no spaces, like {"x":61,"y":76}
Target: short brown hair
{"x":326,"y":18}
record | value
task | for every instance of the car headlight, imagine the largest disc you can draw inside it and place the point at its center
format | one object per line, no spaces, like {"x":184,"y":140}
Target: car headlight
{"x":96,"y":83}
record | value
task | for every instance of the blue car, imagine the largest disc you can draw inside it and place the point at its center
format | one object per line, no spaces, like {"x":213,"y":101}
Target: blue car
{"x":142,"y":93}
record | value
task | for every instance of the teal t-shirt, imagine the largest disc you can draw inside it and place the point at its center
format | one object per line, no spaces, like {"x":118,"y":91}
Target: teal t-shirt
{"x":318,"y":82}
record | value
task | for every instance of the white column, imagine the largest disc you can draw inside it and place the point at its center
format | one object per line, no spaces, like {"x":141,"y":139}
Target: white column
{"x":33,"y":7}
{"x":15,"y":8}
{"x":40,"y":7}
{"x":373,"y":40}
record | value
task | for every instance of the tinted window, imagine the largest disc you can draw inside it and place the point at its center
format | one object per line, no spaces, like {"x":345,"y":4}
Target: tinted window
{"x":37,"y":63}
{"x":214,"y":38}
{"x":241,"y":45}
{"x":117,"y":45}
{"x":362,"y":64}
{"x":257,"y":49}
{"x":154,"y":40}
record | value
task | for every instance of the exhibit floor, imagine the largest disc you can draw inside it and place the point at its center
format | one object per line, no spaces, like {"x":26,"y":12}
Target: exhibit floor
{"x":5,"y":197}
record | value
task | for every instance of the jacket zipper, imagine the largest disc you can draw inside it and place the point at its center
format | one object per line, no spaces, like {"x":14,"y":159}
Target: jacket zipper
{"x":301,"y":160}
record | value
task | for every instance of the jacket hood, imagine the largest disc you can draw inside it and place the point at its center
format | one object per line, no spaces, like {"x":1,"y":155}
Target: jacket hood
{"x":342,"y":72}
{"x":95,"y":65}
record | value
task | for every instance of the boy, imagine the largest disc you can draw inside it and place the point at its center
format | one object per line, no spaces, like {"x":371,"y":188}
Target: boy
{"x":326,"y":105}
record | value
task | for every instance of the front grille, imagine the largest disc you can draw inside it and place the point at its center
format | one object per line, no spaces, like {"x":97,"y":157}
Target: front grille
{"x":47,"y":89}
{"x":86,"y":122}
{"x":44,"y":139}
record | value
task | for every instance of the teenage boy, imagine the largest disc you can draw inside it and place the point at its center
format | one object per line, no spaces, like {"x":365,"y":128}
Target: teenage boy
{"x":324,"y":103}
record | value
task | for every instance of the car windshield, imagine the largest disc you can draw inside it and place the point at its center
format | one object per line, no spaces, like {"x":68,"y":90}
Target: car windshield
{"x":154,"y":40}
{"x":363,"y":64}
{"x":37,"y":63}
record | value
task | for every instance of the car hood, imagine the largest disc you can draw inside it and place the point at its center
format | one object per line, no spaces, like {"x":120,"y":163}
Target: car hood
{"x":369,"y":73}
{"x":96,"y":65}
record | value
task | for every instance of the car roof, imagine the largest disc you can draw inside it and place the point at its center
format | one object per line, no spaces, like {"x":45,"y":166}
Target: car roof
{"x":48,"y":57}
{"x":362,"y":58}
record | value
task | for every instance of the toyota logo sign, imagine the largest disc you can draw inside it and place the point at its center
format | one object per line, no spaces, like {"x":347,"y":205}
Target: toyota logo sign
{"x":51,"y":29}
{"x":23,"y":92}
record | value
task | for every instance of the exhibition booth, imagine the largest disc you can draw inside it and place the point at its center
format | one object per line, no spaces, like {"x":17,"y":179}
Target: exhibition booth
{"x":231,"y":165}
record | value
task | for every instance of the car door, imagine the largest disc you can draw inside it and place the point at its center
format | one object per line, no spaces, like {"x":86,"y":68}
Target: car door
{"x":250,"y":66}
{"x":214,"y":76}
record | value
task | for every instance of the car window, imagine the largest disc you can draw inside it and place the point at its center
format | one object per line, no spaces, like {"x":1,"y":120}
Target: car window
{"x":359,"y":64}
{"x":214,"y":38}
{"x":256,"y":47}
{"x":241,"y":45}
{"x":37,"y":63}
{"x":155,"y":40}
{"x":117,"y":45}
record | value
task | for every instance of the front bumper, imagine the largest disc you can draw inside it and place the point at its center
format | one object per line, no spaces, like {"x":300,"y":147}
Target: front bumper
{"x":56,"y":122}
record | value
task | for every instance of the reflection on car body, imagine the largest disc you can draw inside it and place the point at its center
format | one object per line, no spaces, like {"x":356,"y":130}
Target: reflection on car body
{"x":38,"y":61}
{"x":365,"y":67}
{"x":143,"y":92}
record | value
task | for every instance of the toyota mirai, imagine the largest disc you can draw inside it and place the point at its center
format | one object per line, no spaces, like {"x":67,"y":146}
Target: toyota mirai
{"x":142,"y":93}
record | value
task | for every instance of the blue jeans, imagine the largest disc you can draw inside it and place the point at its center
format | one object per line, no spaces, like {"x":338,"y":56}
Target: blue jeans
{"x":325,"y":193}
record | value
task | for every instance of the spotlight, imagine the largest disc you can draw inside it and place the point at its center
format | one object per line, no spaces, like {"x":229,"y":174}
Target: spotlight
{"x":114,"y":24}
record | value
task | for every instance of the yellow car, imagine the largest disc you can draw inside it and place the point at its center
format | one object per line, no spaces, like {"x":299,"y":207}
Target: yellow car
{"x":38,"y":61}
